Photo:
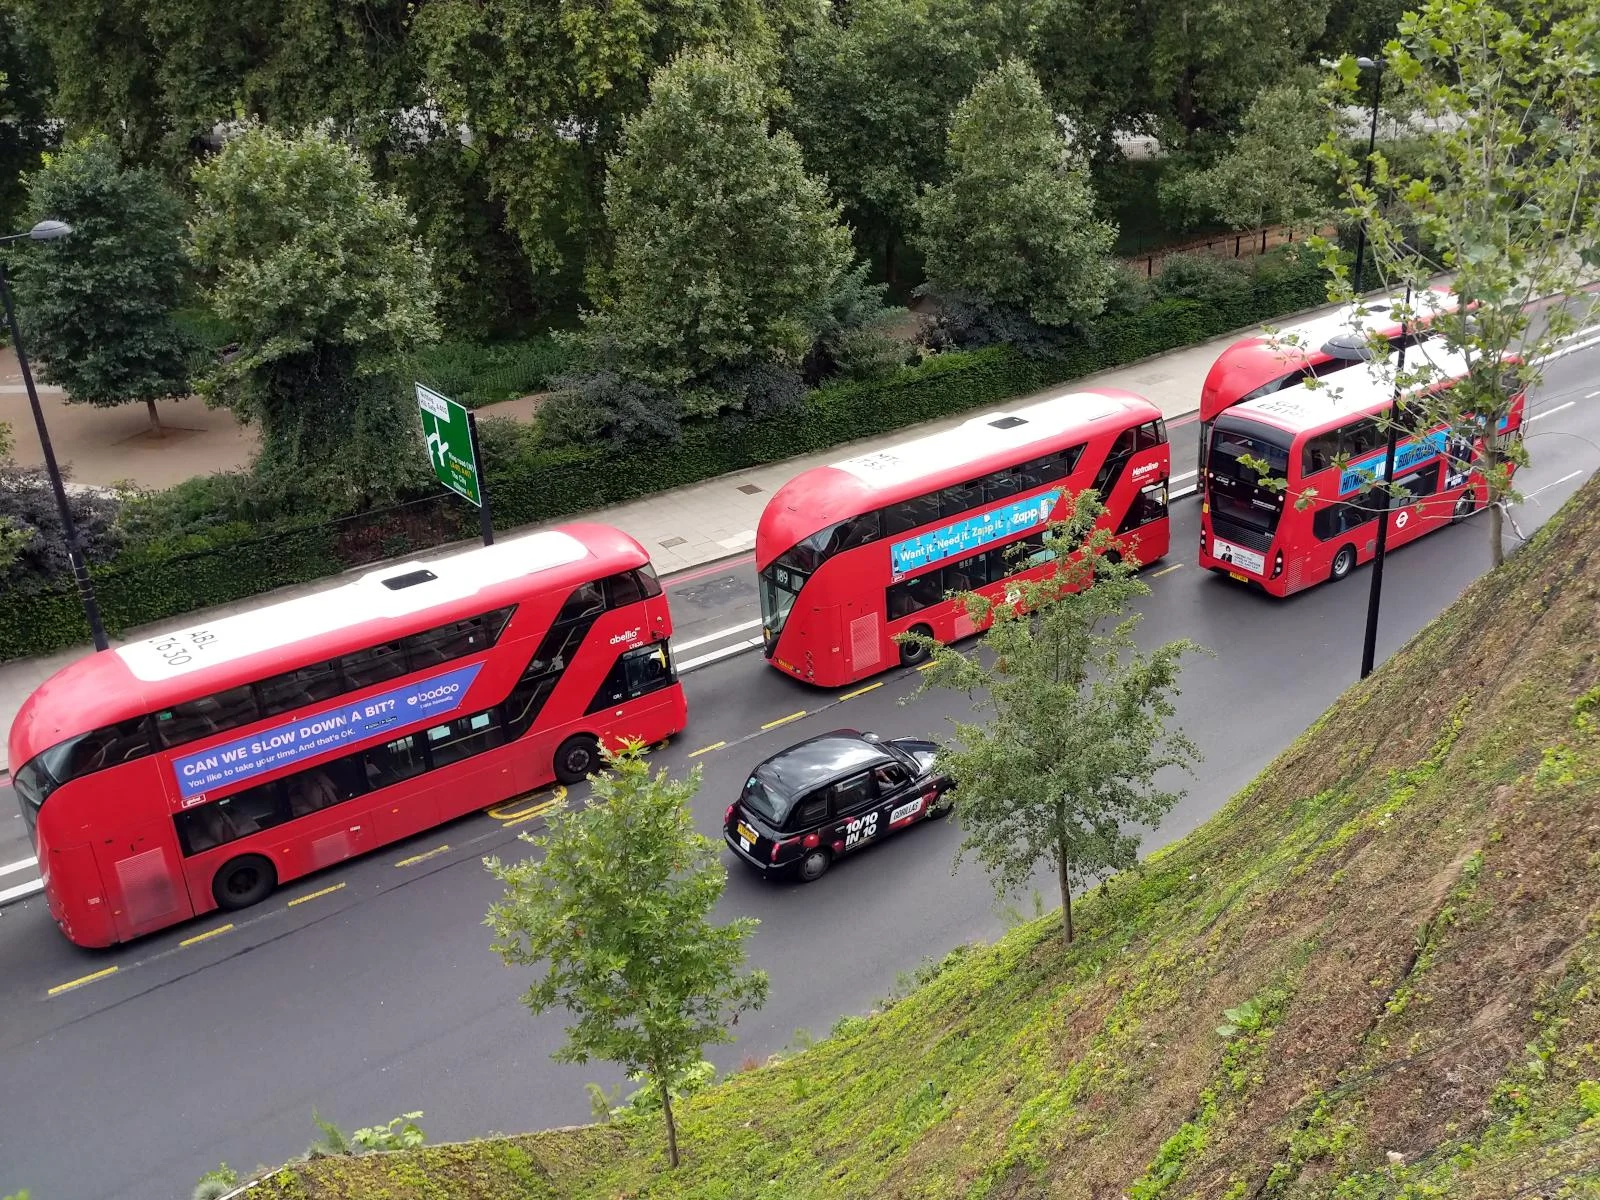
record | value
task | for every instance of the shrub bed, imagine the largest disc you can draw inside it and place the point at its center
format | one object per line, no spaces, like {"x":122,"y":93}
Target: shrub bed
{"x":530,"y":483}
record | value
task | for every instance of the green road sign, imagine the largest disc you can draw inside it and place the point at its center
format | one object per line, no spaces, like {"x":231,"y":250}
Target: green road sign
{"x":447,"y":429}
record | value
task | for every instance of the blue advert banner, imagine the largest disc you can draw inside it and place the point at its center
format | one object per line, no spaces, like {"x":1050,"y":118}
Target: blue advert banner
{"x":1407,"y":454}
{"x":966,"y":536}
{"x":320,"y":732}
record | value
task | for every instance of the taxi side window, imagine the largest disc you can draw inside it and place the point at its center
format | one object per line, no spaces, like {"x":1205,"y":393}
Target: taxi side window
{"x":853,"y":794}
{"x":889,"y":775}
{"x":812,"y":810}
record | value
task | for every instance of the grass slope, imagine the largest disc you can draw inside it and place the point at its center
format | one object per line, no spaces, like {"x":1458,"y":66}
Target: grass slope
{"x":1401,"y":911}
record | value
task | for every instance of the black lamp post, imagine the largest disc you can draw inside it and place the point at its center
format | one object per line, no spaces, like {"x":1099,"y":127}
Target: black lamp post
{"x":48,"y":231}
{"x":1353,"y":348}
{"x":1367,"y":64}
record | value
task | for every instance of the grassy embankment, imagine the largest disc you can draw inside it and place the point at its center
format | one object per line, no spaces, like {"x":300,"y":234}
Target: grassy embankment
{"x":1403,"y":905}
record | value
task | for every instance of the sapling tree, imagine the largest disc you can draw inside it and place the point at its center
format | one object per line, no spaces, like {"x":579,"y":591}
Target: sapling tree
{"x":1064,"y":771}
{"x":618,"y":904}
{"x":1501,"y":195}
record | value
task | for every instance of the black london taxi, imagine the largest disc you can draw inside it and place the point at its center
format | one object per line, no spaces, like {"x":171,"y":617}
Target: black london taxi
{"x":829,"y":796}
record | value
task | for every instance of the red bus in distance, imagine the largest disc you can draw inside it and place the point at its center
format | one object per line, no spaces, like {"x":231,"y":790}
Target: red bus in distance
{"x":852,"y":554}
{"x":1259,"y":535}
{"x":1264,"y":362}
{"x":202,"y":768}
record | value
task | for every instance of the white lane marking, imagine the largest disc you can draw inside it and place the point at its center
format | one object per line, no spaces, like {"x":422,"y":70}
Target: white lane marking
{"x":705,"y":660}
{"x":22,"y":864}
{"x":1550,"y":412}
{"x":1572,"y":349}
{"x":21,"y":890}
{"x":1580,"y":333}
{"x":1182,"y":492}
{"x":718,"y":636}
{"x":1185,"y":475}
{"x":1553,"y":483}
{"x":1592,"y":395}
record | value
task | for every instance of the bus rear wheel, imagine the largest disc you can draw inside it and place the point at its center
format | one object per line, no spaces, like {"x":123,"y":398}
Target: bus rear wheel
{"x":243,"y":881}
{"x":1343,"y":563}
{"x":577,"y":759}
{"x":1466,"y":505}
{"x":912,"y":653}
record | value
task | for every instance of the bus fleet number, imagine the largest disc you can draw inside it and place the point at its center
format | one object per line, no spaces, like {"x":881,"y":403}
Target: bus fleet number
{"x":860,"y":830}
{"x":179,"y":652}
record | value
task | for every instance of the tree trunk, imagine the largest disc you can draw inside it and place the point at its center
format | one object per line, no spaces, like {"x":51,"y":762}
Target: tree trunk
{"x":888,"y":257}
{"x":155,"y":417}
{"x":1066,"y":893}
{"x":672,"y":1127}
{"x":1497,"y":545}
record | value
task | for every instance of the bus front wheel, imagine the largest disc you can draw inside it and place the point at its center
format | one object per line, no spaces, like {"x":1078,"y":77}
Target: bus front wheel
{"x":1343,"y":563}
{"x":912,"y":653}
{"x":577,"y":759}
{"x":244,"y":881}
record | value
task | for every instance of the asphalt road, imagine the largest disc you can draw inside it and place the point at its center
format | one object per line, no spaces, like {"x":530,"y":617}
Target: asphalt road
{"x":378,"y":994}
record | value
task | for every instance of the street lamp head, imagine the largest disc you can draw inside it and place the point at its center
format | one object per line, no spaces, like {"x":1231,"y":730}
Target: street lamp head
{"x":49,"y":231}
{"x":1348,"y":347}
{"x":1365,"y":63}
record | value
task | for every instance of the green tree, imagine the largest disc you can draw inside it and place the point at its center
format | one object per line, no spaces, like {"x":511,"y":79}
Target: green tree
{"x":873,"y":90}
{"x":724,"y":248}
{"x":26,"y":131}
{"x":99,"y":304}
{"x":1014,"y":222}
{"x":619,"y":905}
{"x":1267,"y":176}
{"x":1503,"y":198}
{"x":545,"y":87}
{"x":1064,"y":770}
{"x":317,"y":270}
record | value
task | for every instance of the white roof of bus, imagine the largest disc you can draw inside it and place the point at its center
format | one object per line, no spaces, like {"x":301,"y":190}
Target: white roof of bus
{"x":977,"y":439}
{"x":1357,"y":389}
{"x":1311,"y":336}
{"x":278,"y":625}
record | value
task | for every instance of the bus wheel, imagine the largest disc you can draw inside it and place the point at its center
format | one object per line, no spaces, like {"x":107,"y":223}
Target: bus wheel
{"x":1466,"y":505}
{"x":1343,"y":563}
{"x":911,"y":653}
{"x":814,"y":865}
{"x":577,"y":759}
{"x":244,"y":881}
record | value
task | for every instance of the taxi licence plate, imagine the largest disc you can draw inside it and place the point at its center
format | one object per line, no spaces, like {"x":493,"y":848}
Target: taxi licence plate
{"x":1239,"y":577}
{"x":746,"y":835}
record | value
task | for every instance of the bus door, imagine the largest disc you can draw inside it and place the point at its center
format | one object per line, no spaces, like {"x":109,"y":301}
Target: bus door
{"x":1412,"y":504}
{"x":140,"y":871}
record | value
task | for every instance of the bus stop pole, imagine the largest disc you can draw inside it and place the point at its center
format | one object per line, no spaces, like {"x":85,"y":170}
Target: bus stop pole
{"x":485,"y":522}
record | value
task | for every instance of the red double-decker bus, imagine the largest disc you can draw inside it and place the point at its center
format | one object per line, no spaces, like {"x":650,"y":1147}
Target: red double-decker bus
{"x":1329,"y":443}
{"x":853,"y":554}
{"x":202,"y":768}
{"x":1264,"y":363}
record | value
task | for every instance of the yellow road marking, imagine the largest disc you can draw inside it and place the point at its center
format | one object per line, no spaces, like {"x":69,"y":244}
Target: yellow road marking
{"x":861,"y":691}
{"x":794,"y":716}
{"x":416,"y":858}
{"x":67,"y":987}
{"x":325,"y":891}
{"x":539,"y":810}
{"x":1166,"y":570}
{"x":707,"y":749}
{"x":210,"y":933}
{"x":500,"y":812}
{"x":927,"y":665}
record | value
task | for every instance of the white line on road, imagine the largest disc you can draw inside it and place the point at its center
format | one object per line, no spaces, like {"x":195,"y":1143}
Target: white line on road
{"x":1551,"y":484}
{"x":1550,"y":412}
{"x":715,"y":637}
{"x":1572,"y":349}
{"x":1185,"y":475}
{"x":21,"y":890}
{"x":705,"y":660}
{"x":22,"y":864}
{"x":1592,"y":395}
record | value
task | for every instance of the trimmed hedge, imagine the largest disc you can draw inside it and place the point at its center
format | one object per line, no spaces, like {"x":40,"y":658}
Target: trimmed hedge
{"x":532,"y":485}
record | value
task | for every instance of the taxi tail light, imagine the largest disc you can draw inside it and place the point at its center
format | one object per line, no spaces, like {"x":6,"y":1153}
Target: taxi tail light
{"x":777,"y":846}
{"x":728,"y":816}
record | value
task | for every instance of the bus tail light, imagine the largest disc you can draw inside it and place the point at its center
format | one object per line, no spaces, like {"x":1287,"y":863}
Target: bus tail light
{"x":1277,"y":564}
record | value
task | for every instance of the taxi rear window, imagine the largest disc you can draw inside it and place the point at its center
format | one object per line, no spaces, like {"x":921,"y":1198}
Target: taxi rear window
{"x":762,"y":800}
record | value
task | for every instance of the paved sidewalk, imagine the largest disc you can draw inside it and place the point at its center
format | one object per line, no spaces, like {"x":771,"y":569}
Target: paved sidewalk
{"x":681,"y":529}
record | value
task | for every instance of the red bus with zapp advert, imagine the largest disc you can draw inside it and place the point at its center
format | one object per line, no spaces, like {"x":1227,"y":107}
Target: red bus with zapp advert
{"x":1329,"y":443}
{"x":200,"y":769}
{"x":850,"y":555}
{"x":1264,"y":363}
